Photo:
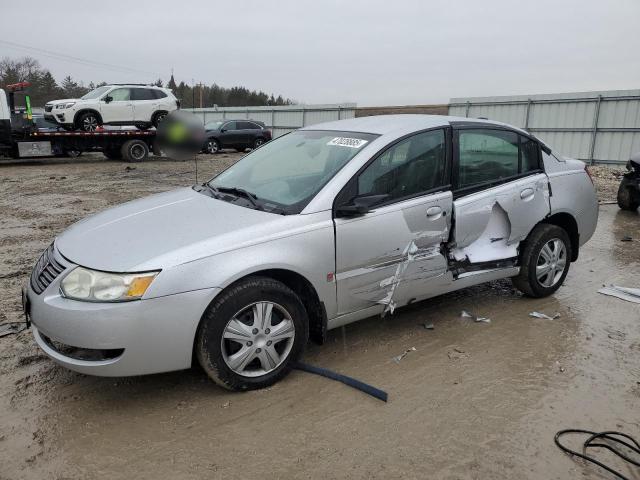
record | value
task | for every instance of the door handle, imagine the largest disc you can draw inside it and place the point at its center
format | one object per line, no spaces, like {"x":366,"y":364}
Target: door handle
{"x":434,"y":213}
{"x":526,"y":194}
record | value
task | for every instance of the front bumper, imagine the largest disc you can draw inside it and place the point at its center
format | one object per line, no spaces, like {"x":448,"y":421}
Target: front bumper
{"x":56,"y":116}
{"x":147,"y":336}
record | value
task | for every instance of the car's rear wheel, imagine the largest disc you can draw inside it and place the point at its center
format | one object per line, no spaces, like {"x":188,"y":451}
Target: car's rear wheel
{"x":258,"y":142}
{"x":626,"y":198}
{"x":135,"y":151}
{"x":88,"y":122}
{"x":212,"y":146}
{"x":544,"y":261}
{"x":251,"y":333}
{"x":157,"y":118}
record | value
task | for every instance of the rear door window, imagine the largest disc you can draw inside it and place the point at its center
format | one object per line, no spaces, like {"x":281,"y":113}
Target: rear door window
{"x":158,"y":94}
{"x":142,"y":94}
{"x":486,"y":156}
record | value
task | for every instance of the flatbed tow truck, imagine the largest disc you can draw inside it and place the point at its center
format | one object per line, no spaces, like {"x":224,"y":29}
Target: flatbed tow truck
{"x":19,"y":137}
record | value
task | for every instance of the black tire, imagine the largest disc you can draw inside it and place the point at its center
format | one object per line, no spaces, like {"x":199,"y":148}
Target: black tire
{"x":88,"y":121}
{"x":157,"y":118}
{"x":527,"y":280}
{"x":112,"y":154}
{"x":627,"y":200}
{"x":72,"y":153}
{"x":134,"y":151}
{"x":212,"y":146}
{"x":258,"y":142}
{"x":208,"y":345}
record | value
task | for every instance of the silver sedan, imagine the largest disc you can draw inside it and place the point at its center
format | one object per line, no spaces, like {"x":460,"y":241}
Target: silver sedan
{"x":319,"y":228}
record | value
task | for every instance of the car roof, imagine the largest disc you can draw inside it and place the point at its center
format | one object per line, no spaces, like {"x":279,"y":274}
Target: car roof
{"x":390,"y":124}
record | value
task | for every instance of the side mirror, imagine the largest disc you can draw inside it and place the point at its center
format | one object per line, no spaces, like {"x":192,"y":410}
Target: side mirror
{"x":222,"y":130}
{"x":359,"y":205}
{"x":108,"y":99}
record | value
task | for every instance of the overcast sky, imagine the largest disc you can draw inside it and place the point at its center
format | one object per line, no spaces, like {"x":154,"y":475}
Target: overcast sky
{"x":328,"y":51}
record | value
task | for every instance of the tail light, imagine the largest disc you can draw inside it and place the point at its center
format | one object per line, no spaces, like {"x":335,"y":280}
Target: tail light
{"x":586,"y":169}
{"x":267,"y":133}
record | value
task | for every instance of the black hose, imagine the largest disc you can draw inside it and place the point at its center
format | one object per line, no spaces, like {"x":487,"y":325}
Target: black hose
{"x":609,"y":436}
{"x":352,"y":382}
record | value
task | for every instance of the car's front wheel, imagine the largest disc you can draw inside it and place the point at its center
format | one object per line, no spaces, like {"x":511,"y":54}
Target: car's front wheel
{"x":88,"y":122}
{"x":251,"y":333}
{"x":544,"y":261}
{"x":212,"y":146}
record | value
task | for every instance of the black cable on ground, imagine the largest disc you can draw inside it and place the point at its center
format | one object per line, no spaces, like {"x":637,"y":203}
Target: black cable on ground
{"x":352,"y":382}
{"x":609,"y":436}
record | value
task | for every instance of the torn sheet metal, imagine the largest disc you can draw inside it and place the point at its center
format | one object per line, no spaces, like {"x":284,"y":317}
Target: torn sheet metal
{"x":525,"y":202}
{"x":544,"y":315}
{"x":624,"y":293}
{"x":399,"y":358}
{"x":492,"y":244}
{"x":466,"y":314}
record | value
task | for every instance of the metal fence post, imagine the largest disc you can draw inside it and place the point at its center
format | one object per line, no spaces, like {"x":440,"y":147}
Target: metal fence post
{"x":340,"y":112}
{"x":466,"y":113}
{"x":224,"y":114}
{"x":594,"y":131}
{"x":304,"y":116}
{"x":526,"y":118}
{"x":273,"y":120}
{"x":204,"y":117}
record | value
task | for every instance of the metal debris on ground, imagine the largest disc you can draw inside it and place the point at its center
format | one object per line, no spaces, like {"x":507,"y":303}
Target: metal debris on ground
{"x":544,"y":315}
{"x":428,"y":326}
{"x":11,"y":328}
{"x":466,"y":314}
{"x":623,"y":293}
{"x":627,"y":238}
{"x":404,"y":354}
{"x":456,"y":353}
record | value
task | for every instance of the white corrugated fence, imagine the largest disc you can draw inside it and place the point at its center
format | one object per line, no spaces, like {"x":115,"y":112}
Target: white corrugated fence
{"x":598,"y":127}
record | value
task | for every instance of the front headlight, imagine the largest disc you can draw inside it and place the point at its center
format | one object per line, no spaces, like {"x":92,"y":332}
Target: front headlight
{"x":94,"y":286}
{"x":65,"y":105}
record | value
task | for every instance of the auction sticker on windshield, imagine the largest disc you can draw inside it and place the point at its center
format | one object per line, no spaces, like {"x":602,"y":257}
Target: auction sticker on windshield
{"x":347,"y":142}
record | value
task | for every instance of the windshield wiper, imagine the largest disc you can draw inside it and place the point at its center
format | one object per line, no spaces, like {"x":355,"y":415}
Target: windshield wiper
{"x":239,"y":192}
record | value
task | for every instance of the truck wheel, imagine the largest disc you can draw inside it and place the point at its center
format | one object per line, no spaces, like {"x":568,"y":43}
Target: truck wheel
{"x":626,"y":198}
{"x":112,"y":153}
{"x":88,"y":122}
{"x":544,"y":261}
{"x":134,"y":151}
{"x":251,"y":333}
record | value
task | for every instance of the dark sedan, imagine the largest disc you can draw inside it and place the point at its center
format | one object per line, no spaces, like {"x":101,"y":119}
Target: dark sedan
{"x":238,"y":134}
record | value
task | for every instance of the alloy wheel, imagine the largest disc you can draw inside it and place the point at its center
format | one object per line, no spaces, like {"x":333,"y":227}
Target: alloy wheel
{"x":212,"y":147}
{"x":258,"y":339}
{"x":90,"y":123}
{"x":552,"y":261}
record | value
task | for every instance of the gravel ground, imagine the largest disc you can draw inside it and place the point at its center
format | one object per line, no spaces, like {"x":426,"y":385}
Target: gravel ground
{"x":469,"y":400}
{"x":607,"y":179}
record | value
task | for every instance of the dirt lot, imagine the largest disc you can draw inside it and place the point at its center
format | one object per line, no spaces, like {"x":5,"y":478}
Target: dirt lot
{"x":473,"y":400}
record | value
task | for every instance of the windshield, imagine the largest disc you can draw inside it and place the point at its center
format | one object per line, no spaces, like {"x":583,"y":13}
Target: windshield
{"x":286,"y":173}
{"x":213,"y":125}
{"x":95,"y":93}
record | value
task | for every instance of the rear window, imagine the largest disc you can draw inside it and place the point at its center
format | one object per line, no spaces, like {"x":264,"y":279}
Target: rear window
{"x":248,"y":126}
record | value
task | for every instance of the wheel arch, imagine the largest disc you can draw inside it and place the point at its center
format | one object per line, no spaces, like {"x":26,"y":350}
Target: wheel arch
{"x":87,"y":110}
{"x":300,"y":285}
{"x":568,"y":223}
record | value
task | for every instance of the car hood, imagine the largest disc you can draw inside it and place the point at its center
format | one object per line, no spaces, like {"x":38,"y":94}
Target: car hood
{"x":165,"y":230}
{"x":65,"y":100}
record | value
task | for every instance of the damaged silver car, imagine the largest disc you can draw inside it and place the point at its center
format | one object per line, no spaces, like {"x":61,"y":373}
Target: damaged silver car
{"x":319,"y":228}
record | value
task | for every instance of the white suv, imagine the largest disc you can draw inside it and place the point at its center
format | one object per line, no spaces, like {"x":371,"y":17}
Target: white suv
{"x":127,"y":104}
